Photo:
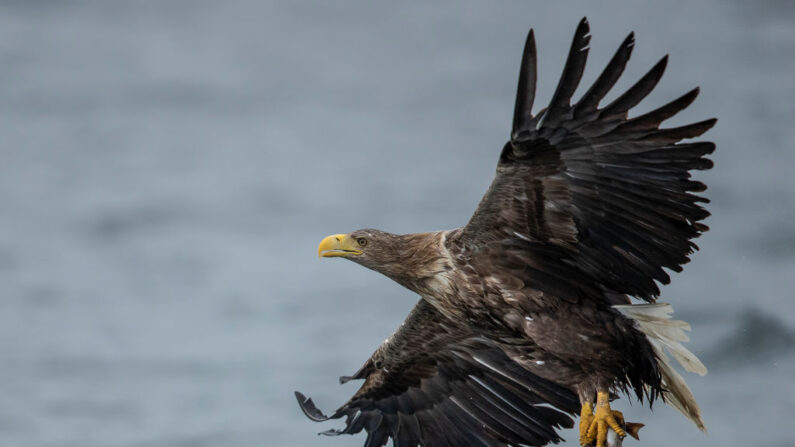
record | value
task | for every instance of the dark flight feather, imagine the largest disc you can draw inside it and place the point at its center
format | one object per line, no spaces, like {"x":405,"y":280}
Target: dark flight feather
{"x":637,"y":92}
{"x":434,"y":382}
{"x":608,"y":78}
{"x":572,"y":73}
{"x":609,"y":195}
{"x":522,"y":114}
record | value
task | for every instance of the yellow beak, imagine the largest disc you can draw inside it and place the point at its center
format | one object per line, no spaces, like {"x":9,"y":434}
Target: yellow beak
{"x":338,"y":245}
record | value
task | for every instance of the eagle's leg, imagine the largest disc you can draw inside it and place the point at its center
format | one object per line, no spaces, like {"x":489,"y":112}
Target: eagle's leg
{"x":599,"y":420}
{"x":586,"y":417}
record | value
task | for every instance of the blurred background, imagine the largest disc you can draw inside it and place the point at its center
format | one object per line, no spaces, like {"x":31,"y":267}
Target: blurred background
{"x":168,"y":168}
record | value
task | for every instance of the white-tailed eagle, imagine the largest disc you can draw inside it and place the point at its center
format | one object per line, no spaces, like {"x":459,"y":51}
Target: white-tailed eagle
{"x":525,"y":314}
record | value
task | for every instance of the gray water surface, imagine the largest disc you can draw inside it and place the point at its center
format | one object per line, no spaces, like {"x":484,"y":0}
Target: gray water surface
{"x":168,"y":168}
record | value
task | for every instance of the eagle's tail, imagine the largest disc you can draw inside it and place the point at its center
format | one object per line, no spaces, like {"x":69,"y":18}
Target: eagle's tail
{"x":666,"y":334}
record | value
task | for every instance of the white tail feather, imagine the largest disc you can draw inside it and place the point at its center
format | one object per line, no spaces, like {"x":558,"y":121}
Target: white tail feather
{"x":666,"y":335}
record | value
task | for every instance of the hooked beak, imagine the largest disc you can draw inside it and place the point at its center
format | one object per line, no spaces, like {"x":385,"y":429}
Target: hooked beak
{"x":338,"y":245}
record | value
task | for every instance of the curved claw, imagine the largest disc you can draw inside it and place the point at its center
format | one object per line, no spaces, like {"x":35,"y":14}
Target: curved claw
{"x":603,"y":419}
{"x":593,"y":427}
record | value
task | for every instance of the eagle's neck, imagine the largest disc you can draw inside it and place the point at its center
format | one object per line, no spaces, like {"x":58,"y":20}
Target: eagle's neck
{"x":422,"y":263}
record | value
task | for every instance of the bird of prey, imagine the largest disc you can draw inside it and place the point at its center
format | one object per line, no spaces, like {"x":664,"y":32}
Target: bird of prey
{"x":525,"y":314}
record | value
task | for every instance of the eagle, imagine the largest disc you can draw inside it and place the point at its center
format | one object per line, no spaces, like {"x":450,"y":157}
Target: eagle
{"x":544,"y":305}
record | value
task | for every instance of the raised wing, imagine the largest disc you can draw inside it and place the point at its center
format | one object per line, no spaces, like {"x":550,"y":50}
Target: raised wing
{"x":586,"y":199}
{"x":435,"y":383}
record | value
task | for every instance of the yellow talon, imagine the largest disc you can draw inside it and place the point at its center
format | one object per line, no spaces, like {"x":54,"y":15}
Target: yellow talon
{"x":595,"y":426}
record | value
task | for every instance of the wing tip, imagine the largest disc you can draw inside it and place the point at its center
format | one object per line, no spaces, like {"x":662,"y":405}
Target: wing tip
{"x":683,"y":101}
{"x":706,"y":125}
{"x":308,"y":407}
{"x":583,"y":32}
{"x":629,"y":41}
{"x":526,"y":88}
{"x":658,"y":70}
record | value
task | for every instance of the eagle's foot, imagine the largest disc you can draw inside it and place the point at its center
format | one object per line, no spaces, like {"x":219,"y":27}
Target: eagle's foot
{"x":594,"y":424}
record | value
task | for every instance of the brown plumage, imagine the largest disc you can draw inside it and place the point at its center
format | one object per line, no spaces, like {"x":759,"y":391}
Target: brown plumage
{"x":524,"y":309}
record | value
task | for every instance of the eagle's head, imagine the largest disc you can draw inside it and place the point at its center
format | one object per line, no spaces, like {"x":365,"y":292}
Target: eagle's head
{"x":374,"y":249}
{"x":402,"y":257}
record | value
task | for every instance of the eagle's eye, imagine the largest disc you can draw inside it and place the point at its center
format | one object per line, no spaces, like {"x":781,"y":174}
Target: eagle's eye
{"x":362,"y":241}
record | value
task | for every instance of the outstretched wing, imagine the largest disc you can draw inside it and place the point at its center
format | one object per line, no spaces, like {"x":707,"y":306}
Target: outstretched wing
{"x":436,"y":383}
{"x":587,"y":200}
